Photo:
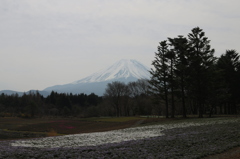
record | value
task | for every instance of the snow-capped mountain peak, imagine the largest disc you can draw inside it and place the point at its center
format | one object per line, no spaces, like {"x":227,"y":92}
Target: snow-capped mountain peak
{"x":123,"y":69}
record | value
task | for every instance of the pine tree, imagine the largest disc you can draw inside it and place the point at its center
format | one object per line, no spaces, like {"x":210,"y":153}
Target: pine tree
{"x":229,"y":64}
{"x":172,"y":81}
{"x":201,"y":58}
{"x":181,"y":49}
{"x":160,"y":73}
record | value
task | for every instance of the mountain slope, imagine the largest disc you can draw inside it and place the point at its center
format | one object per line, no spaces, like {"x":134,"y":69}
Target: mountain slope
{"x":123,"y":70}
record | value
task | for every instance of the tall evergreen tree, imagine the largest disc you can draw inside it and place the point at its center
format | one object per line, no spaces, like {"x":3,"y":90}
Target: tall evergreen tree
{"x":229,"y":64}
{"x":172,"y":81}
{"x":160,"y":73}
{"x":201,"y":58}
{"x":181,"y":49}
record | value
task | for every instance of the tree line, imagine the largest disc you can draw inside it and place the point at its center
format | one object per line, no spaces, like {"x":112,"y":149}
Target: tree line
{"x":186,"y":79}
{"x":56,"y":104}
{"x":120,"y":99}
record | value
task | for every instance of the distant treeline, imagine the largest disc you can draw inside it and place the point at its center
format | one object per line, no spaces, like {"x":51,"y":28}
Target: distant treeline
{"x":56,"y":104}
{"x":124,"y":100}
{"x":186,"y":78}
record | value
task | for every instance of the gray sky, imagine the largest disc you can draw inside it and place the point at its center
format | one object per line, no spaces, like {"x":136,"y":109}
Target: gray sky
{"x":50,"y":42}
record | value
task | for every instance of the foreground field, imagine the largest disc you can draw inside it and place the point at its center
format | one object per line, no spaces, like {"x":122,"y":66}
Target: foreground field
{"x":193,"y":138}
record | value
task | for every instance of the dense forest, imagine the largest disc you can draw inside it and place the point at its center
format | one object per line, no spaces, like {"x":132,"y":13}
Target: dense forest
{"x":186,"y":79}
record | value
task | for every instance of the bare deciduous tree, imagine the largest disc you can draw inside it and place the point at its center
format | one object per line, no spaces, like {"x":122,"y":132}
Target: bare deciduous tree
{"x":117,"y":93}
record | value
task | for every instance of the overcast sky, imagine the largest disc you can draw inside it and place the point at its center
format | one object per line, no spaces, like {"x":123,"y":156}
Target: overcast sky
{"x":50,"y":42}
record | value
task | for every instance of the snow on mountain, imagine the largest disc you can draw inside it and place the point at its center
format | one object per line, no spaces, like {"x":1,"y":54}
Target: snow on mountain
{"x":122,"y":69}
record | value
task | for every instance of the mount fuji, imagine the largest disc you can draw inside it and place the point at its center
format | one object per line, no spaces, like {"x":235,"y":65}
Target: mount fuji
{"x":124,"y":71}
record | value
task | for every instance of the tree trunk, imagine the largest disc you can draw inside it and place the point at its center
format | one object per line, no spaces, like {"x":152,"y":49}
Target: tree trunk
{"x":225,"y":108}
{"x":200,"y":111}
{"x":220,"y":109}
{"x":183,"y":100}
{"x":173,"y":106}
{"x":166,"y":102}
